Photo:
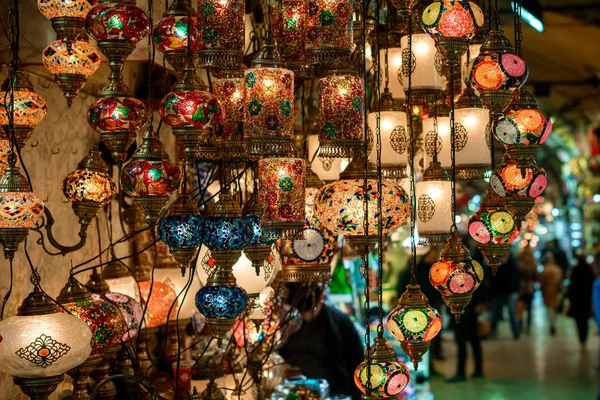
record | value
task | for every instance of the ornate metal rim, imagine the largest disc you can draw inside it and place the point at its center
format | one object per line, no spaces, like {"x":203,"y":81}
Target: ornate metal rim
{"x":306,"y":273}
{"x":266,"y":146}
{"x":433,"y":238}
{"x":340,"y":148}
{"x":471,"y":172}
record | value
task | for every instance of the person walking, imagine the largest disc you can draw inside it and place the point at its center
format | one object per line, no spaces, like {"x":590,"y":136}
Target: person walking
{"x":579,"y":294}
{"x":528,"y":276}
{"x":504,"y":287}
{"x":550,"y":281}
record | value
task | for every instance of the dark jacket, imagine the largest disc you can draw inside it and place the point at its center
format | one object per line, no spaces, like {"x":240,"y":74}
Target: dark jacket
{"x":580,"y":291}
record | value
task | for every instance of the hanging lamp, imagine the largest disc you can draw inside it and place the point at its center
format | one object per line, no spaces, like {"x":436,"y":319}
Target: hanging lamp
{"x":221,"y":41}
{"x":434,"y":209}
{"x":228,"y":86}
{"x":67,"y":17}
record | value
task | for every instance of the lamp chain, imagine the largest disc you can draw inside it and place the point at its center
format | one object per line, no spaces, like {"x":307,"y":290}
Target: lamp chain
{"x":189,"y":33}
{"x":453,"y":227}
{"x":387,"y":48}
{"x":413,"y":141}
{"x":518,"y":28}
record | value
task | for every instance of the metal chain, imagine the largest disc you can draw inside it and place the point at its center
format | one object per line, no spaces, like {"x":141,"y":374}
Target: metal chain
{"x":436,"y":132}
{"x":379,"y":184}
{"x":518,"y":28}
{"x":387,"y":48}
{"x":151,"y":58}
{"x":413,"y":140}
{"x":452,"y":150}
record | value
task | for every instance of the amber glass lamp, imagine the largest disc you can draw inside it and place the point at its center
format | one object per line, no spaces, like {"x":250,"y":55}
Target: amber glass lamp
{"x":330,"y":32}
{"x":67,"y":17}
{"x":229,"y":86}
{"x":221,"y":41}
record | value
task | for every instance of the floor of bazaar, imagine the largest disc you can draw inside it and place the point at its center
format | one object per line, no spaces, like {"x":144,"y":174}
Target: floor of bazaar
{"x":537,"y":366}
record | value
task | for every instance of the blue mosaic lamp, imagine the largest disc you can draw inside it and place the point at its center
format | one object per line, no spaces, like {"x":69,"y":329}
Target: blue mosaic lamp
{"x":258,"y":249}
{"x":181,"y":230}
{"x":226,"y":233}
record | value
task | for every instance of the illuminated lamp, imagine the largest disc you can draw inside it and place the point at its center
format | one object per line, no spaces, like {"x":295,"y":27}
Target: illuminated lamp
{"x":330,"y":32}
{"x":436,"y":137}
{"x":67,"y":17}
{"x":258,"y":249}
{"x":221,"y":34}
{"x":327,"y":169}
{"x":434,"y":208}
{"x":228,"y":86}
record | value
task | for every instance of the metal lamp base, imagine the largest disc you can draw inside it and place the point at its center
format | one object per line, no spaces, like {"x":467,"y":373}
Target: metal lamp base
{"x":521,"y":205}
{"x":328,"y":57}
{"x":340,"y":148}
{"x":86,"y":212}
{"x":39,"y":388}
{"x":496,"y":101}
{"x":265,"y":146}
{"x":218,"y":58}
{"x":152,"y":206}
{"x":118,"y":143}
{"x":452,"y":49}
{"x":433,"y":238}
{"x":22,"y":133}
{"x":80,"y":376}
{"x":107,"y":391}
{"x":70,"y":85}
{"x":362,"y":244}
{"x":272,"y":231}
{"x":190,"y":140}
{"x":68,"y":29}
{"x":457,"y":303}
{"x":494,"y":253}
{"x":471,"y":172}
{"x":307,"y":273}
{"x":415,"y":351}
{"x":184,"y":256}
{"x":11,"y":238}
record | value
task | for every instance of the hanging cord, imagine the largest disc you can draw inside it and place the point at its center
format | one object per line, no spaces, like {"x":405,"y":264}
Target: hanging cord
{"x":518,"y":4}
{"x":8,"y":293}
{"x":413,"y":140}
{"x":496,"y":14}
{"x":151,"y":62}
{"x":379,"y":179}
{"x":453,"y":227}
{"x":303,"y":121}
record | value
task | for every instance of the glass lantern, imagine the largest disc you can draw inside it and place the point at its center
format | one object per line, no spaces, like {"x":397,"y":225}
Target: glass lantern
{"x":162,"y":300}
{"x":327,"y":169}
{"x":437,"y":137}
{"x":394,"y":54}
{"x":67,"y":17}
{"x":523,"y":124}
{"x":130,"y":309}
{"x":222,"y":33}
{"x":341,"y":107}
{"x":434,"y":208}
{"x":178,"y":282}
{"x":290,"y":34}
{"x":425,"y":70}
{"x":228,"y":86}
{"x":330,"y":32}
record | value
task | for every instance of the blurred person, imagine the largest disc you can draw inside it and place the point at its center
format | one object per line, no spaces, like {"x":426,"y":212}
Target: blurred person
{"x":467,"y":331}
{"x":528,"y":276}
{"x":560,"y":256}
{"x":327,"y":346}
{"x":550,"y":282}
{"x":504,"y":287}
{"x":579,"y":294}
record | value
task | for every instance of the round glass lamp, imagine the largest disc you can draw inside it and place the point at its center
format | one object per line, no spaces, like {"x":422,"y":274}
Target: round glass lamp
{"x":221,"y":33}
{"x":341,"y":107}
{"x":72,"y":65}
{"x":289,"y":19}
{"x":494,"y":227}
{"x":29,"y":108}
{"x":181,"y":230}
{"x":281,"y":196}
{"x":150,"y":177}
{"x":456,"y":276}
{"x":229,"y":89}
{"x":117,"y":24}
{"x":162,"y":300}
{"x":173,"y":278}
{"x":171,"y":34}
{"x":384,"y":377}
{"x":67,"y":17}
{"x":130,"y":309}
{"x":414,"y":323}
{"x":90,"y":187}
{"x":434,"y":208}
{"x":192,"y":112}
{"x":395,"y":142}
{"x":269,"y":106}
{"x":472,"y":124}
{"x":20,"y":208}
{"x":330,"y":32}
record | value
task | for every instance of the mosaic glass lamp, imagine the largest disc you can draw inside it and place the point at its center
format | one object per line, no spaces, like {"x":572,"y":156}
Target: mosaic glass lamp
{"x":307,"y":256}
{"x":178,"y":282}
{"x":289,"y":21}
{"x":20,"y":208}
{"x":330,"y":32}
{"x":150,"y":177}
{"x":341,"y":107}
{"x":395,"y":142}
{"x":221,"y":33}
{"x":434,"y":209}
{"x":229,"y":86}
{"x":456,"y":276}
{"x":5,"y":150}
{"x":339,"y":205}
{"x":29,"y":108}
{"x":269,"y":105}
{"x":494,"y":227}
{"x":472,"y":124}
{"x":497,"y":72}
{"x":67,"y":17}
{"x":259,"y":248}
{"x":90,"y":187}
{"x":71,"y":65}
{"x":452,"y":24}
{"x":519,"y":184}
{"x":281,"y":196}
{"x":414,"y":323}
{"x":40,"y":344}
{"x":181,"y":230}
{"x":130,"y":309}
{"x":171,"y":34}
{"x":193,"y":113}
{"x":385,"y":376}
{"x":162,"y":299}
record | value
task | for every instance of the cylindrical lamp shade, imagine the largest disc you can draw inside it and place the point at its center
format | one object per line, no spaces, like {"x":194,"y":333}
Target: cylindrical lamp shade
{"x":36,"y":346}
{"x":341,"y":107}
{"x":281,"y":193}
{"x":82,"y":59}
{"x":327,"y":169}
{"x":452,"y":19}
{"x":434,"y":208}
{"x":339,"y":207}
{"x":162,"y":298}
{"x":269,"y":103}
{"x":104,"y":319}
{"x":173,"y":278}
{"x":60,"y":8}
{"x":330,"y":25}
{"x":471,"y":138}
{"x":289,"y":20}
{"x":394,"y":55}
{"x":437,"y":140}
{"x":511,"y":180}
{"x":230,"y":93}
{"x":222,"y":23}
{"x":426,"y":63}
{"x":395,"y":141}
{"x":117,"y":21}
{"x":523,"y":127}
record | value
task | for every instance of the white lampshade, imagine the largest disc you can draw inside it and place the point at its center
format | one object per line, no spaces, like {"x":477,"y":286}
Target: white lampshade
{"x":426,"y":65}
{"x":470,"y":143}
{"x":328,"y":169}
{"x":394,"y":138}
{"x":434,"y":208}
{"x":35,"y":346}
{"x":443,"y":140}
{"x":259,"y":307}
{"x":125,"y":285}
{"x":244,"y":272}
{"x":394,"y":70}
{"x":173,"y":278}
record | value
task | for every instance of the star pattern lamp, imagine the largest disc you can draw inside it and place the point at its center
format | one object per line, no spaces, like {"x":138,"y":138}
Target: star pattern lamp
{"x":72,"y":65}
{"x":89,"y":187}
